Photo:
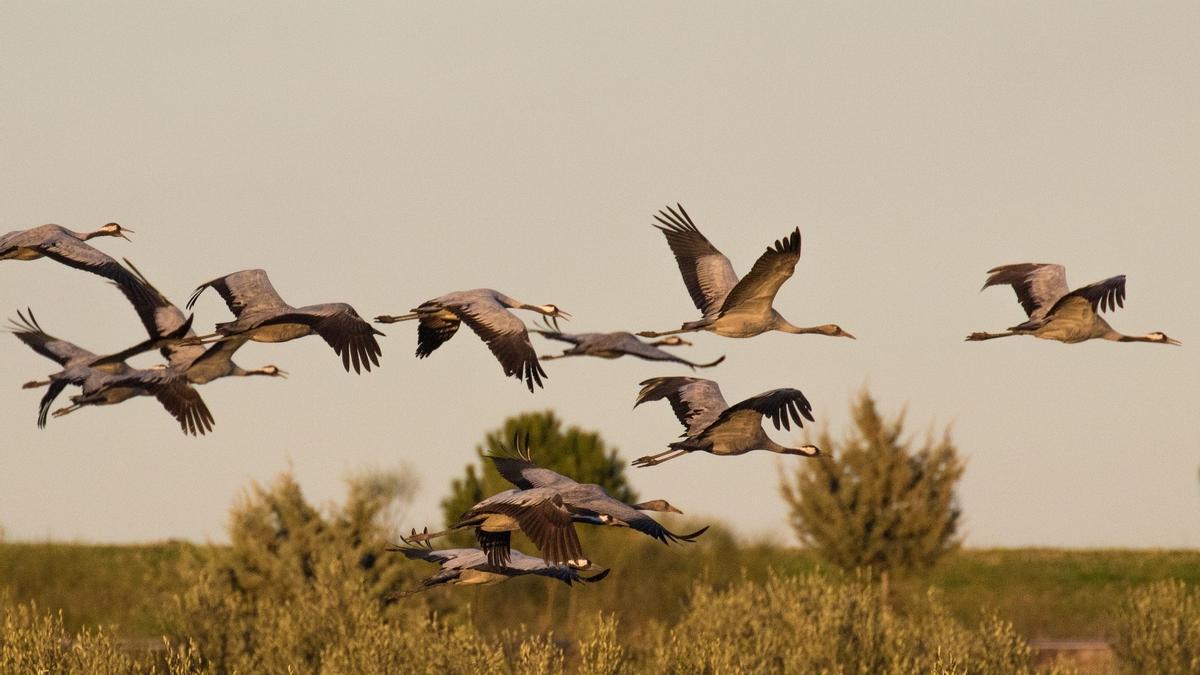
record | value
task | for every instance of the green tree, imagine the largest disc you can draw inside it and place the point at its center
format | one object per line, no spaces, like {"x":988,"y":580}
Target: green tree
{"x":875,"y":501}
{"x":579,"y":454}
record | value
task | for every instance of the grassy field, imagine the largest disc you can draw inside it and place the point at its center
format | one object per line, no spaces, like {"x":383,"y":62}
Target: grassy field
{"x":1045,"y":593}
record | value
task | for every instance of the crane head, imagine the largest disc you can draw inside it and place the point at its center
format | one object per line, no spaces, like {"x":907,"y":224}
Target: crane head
{"x":660,"y":505}
{"x":673,"y":341}
{"x":114,"y":230}
{"x":1161,"y":338}
{"x":273,"y":371}
{"x":804,"y":451}
{"x":554,"y":313}
{"x":835,"y":330}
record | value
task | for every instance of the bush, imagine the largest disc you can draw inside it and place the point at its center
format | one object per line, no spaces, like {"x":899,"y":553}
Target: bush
{"x":875,"y":502}
{"x":33,"y":642}
{"x":809,"y":624}
{"x":1158,"y":630}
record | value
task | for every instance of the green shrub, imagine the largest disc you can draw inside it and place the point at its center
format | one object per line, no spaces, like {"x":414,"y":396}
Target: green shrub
{"x":1157,"y":630}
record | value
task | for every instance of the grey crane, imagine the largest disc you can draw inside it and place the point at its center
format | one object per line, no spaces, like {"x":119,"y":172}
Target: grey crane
{"x":486,"y":311}
{"x":732,"y":307}
{"x":588,"y":502}
{"x":715,"y":426}
{"x":69,"y":248}
{"x":103,"y":380}
{"x":539,"y":512}
{"x":470,"y":567}
{"x":618,"y":344}
{"x":1058,"y":313}
{"x":262,"y":316}
{"x":199,"y":364}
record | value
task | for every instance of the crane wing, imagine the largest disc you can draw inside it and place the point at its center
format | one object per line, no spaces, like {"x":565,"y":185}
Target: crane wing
{"x":172,"y":390}
{"x":27,"y":330}
{"x":697,"y":402}
{"x":1103,"y":296}
{"x":1037,"y":285}
{"x":525,"y":474}
{"x":248,"y":289}
{"x":756,"y":291}
{"x":781,"y":406}
{"x":74,"y":253}
{"x":350,"y":336}
{"x":161,"y":318}
{"x":434,"y":330}
{"x":185,"y":405}
{"x":505,"y":336}
{"x":707,"y":273}
{"x":543,"y":518}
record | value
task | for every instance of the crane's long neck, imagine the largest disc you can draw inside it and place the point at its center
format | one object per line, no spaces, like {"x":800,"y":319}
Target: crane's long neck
{"x":804,"y":450}
{"x":1117,"y":337}
{"x":785,"y":326}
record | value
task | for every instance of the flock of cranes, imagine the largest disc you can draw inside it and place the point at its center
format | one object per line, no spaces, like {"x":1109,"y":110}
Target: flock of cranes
{"x":544,"y":505}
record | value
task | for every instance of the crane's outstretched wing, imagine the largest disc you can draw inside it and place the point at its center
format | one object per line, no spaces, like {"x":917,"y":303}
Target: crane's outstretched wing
{"x":505,"y":336}
{"x":542,"y":516}
{"x":27,"y":330}
{"x":782,"y":406}
{"x":518,"y":468}
{"x":433,"y":331}
{"x":697,"y":402}
{"x":641,"y":522}
{"x":1104,"y":296}
{"x":549,"y":333}
{"x":1037,"y":285}
{"x":161,"y":318}
{"x":185,"y":405}
{"x":56,"y":387}
{"x":756,"y":291}
{"x":707,"y":273}
{"x":248,"y":289}
{"x":351,"y":337}
{"x":82,"y":256}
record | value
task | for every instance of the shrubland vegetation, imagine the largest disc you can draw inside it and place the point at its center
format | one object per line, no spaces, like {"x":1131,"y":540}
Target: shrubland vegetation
{"x":303,"y":588}
{"x":873,"y":502}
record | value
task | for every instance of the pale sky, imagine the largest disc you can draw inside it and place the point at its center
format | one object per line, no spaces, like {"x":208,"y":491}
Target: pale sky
{"x":383,"y":154}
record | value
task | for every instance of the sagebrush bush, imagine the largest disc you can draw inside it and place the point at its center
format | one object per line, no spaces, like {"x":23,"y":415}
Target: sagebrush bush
{"x":809,"y":624}
{"x":35,"y":642}
{"x":1157,"y":630}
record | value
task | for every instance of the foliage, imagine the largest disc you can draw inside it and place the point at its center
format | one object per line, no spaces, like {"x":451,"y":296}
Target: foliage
{"x":809,"y":624}
{"x":34,"y":642}
{"x":582,"y":455}
{"x":289,"y":562}
{"x":875,"y":502}
{"x":800,"y":624}
{"x":1158,"y":630}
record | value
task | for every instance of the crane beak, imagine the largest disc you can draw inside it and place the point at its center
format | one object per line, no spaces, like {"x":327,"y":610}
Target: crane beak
{"x":280,"y":372}
{"x":1173,"y":341}
{"x":845,"y":334}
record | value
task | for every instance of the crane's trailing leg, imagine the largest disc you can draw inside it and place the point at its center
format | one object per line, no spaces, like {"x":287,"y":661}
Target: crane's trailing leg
{"x":67,"y":411}
{"x":976,"y":337}
{"x":653,"y":460}
{"x":385,"y":318}
{"x":652,"y":334}
{"x":422,"y":537}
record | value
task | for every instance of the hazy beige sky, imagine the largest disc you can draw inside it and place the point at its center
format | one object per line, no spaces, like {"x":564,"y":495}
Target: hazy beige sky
{"x":383,"y":154}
